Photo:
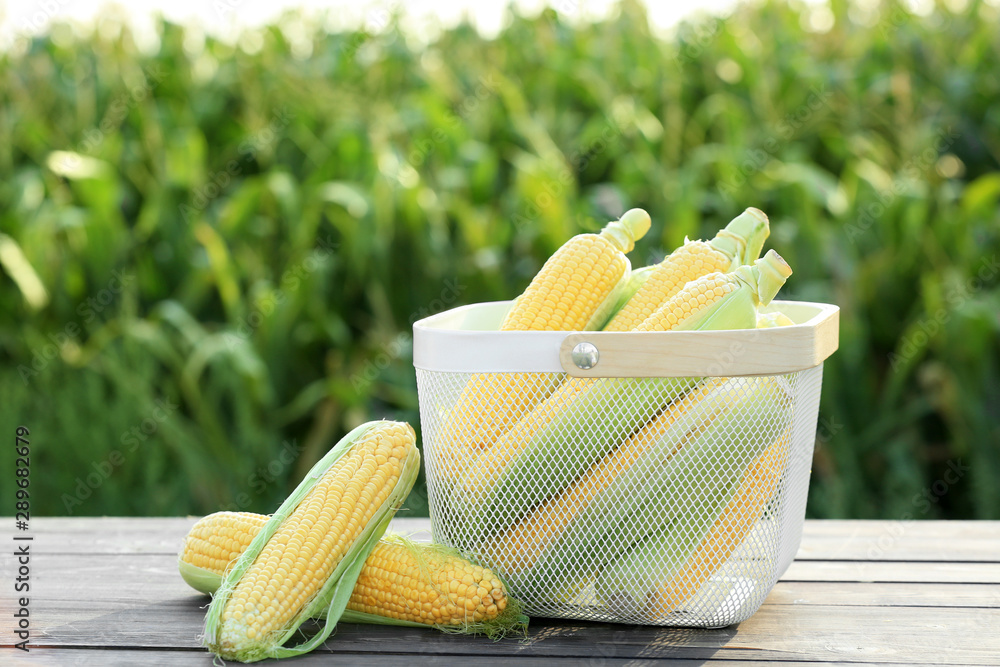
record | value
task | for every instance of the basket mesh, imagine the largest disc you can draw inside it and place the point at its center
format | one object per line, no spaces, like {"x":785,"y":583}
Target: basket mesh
{"x":661,"y":501}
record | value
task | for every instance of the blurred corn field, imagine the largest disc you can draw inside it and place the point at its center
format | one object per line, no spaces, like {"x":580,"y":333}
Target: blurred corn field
{"x":212,"y":254}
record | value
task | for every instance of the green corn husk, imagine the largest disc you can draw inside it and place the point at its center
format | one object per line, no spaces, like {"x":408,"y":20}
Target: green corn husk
{"x":637,"y":278}
{"x":330,"y":601}
{"x":743,"y":238}
{"x":687,"y":476}
{"x":759,"y":284}
{"x":585,"y":418}
{"x":198,"y":578}
{"x":740,"y":242}
{"x":675,"y":564}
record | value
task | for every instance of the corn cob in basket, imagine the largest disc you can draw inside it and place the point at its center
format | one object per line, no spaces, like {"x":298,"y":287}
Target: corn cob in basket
{"x":576,"y":290}
{"x":554,"y":443}
{"x":738,"y":243}
{"x":684,"y":463}
{"x":401,"y":583}
{"x":672,"y":566}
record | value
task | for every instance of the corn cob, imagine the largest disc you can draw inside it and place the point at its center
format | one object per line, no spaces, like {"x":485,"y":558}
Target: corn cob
{"x":550,"y":446}
{"x":520,"y":547}
{"x":636,"y":279}
{"x":576,"y":289}
{"x":727,"y":533}
{"x":704,"y":439}
{"x":445,"y":590}
{"x":773,"y":319}
{"x":213,"y":544}
{"x":306,"y":559}
{"x":739,"y":243}
{"x":573,"y":286}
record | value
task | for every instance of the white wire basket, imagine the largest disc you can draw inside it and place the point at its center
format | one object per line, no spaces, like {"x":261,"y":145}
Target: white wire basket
{"x":645,"y":478}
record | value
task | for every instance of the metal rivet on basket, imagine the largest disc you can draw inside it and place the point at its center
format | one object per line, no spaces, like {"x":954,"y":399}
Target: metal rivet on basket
{"x":585,"y":355}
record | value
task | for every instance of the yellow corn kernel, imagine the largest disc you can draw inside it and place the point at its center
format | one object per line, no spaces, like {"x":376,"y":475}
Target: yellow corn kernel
{"x":568,"y":289}
{"x":577,"y":284}
{"x":218,"y":539}
{"x":738,"y":243}
{"x":691,"y":261}
{"x":696,"y":297}
{"x":438,"y":588}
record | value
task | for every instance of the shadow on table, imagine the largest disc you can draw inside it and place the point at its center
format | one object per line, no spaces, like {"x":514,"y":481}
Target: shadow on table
{"x":595,"y":643}
{"x":577,"y":642}
{"x":178,"y":624}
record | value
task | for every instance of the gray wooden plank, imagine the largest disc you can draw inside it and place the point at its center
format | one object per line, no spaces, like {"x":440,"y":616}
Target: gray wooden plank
{"x":977,"y":541}
{"x":945,"y":541}
{"x":85,"y":657}
{"x":777,"y":631}
{"x":888,"y":594}
{"x":901,"y":572}
{"x":154,"y":577}
{"x":129,"y":596}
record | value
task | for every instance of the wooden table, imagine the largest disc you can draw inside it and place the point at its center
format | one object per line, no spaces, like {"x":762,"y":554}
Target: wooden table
{"x":106,"y":591}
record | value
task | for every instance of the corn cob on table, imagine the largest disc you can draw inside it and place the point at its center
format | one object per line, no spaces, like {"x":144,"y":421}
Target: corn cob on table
{"x":105,"y":591}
